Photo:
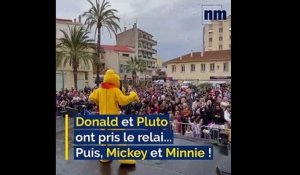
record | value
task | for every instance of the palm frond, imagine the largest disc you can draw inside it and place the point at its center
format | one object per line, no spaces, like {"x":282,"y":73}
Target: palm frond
{"x":101,"y":15}
{"x":73,"y":47}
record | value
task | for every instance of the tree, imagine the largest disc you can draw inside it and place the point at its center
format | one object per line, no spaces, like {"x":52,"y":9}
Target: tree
{"x":73,"y":49}
{"x":205,"y":86}
{"x":125,"y":81}
{"x":101,"y":16}
{"x":133,"y":67}
{"x":142,"y":67}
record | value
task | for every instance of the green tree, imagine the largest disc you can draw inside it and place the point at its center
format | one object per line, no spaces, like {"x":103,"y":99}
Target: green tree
{"x":205,"y":86}
{"x":100,"y":16}
{"x":73,"y":49}
{"x":142,"y":67}
{"x":125,"y":81}
{"x":133,"y":67}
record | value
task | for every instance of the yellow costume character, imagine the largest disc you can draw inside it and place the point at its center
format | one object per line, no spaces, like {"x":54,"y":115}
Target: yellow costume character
{"x":109,"y":96}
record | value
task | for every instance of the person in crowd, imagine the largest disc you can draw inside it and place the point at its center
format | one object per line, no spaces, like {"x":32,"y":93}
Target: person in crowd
{"x":227,"y":115}
{"x":196,"y":127}
{"x":177,"y":117}
{"x":208,"y":113}
{"x":218,"y":116}
{"x":195,"y":104}
{"x":188,"y":132}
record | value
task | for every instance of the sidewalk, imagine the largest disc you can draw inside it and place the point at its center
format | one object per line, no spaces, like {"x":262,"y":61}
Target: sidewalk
{"x":60,"y":123}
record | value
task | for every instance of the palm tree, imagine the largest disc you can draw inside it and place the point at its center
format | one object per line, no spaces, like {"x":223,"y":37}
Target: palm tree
{"x":133,"y":67}
{"x":73,"y":49}
{"x":101,"y":16}
{"x":125,"y":81}
{"x":142,"y":67}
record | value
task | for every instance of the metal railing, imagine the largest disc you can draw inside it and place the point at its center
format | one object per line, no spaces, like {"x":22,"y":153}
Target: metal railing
{"x":212,"y":133}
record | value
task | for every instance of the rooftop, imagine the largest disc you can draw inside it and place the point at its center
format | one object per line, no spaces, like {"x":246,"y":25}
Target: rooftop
{"x":68,"y":21}
{"x":140,"y":30}
{"x":116,"y":48}
{"x":219,"y":55}
{"x":133,"y":27}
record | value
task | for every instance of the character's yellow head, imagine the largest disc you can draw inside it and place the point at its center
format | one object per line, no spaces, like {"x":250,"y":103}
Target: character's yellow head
{"x":112,"y":77}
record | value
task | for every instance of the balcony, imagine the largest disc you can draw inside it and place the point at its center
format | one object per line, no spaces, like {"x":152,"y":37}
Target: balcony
{"x":149,"y":68}
{"x":145,"y":58}
{"x":151,"y":41}
{"x":154,"y":51}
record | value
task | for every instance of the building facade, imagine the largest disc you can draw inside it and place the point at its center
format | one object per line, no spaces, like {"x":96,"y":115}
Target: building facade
{"x":142,"y":43}
{"x":201,"y":67}
{"x":159,"y":62}
{"x":65,"y":75}
{"x":217,"y":35}
{"x":114,"y":57}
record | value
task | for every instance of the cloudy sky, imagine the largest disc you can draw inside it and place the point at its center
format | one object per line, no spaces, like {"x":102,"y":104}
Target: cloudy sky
{"x":175,"y":24}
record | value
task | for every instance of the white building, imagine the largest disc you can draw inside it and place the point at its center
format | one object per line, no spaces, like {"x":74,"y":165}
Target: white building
{"x":217,"y":35}
{"x":64,"y":75}
{"x":143,"y":44}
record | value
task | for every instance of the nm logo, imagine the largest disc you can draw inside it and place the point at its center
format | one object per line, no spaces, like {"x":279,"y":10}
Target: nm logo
{"x":213,"y":12}
{"x":215,"y":15}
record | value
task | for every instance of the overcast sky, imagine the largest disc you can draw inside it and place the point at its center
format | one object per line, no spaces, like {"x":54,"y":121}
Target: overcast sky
{"x":175,"y":24}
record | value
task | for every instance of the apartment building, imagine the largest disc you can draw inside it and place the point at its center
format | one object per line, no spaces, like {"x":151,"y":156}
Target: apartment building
{"x":143,"y":44}
{"x":217,"y":35}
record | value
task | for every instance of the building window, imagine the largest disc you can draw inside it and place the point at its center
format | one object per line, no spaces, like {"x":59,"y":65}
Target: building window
{"x":210,"y":42}
{"x":220,"y":38}
{"x":182,"y":68}
{"x":225,"y":67}
{"x":140,"y":45}
{"x":173,"y":68}
{"x":192,"y":67}
{"x":212,"y":67}
{"x":220,"y":47}
{"x":210,"y":34}
{"x":220,"y":30}
{"x":125,"y":55}
{"x":202,"y":67}
{"x":86,"y":77}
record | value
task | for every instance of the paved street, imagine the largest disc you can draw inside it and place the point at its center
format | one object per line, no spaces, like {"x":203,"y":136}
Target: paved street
{"x":60,"y":124}
{"x":153,"y":167}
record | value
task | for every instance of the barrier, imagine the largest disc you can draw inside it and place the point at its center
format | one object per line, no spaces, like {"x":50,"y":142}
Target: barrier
{"x":72,"y":112}
{"x":212,"y":133}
